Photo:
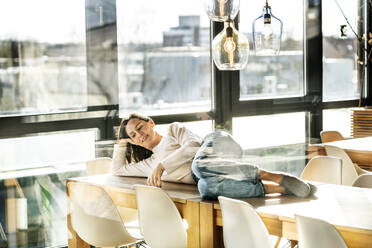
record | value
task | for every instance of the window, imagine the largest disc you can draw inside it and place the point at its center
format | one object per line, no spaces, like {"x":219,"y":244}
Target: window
{"x":338,"y":120}
{"x":340,"y":81}
{"x":42,"y":57}
{"x":163,"y":57}
{"x":273,"y":142}
{"x":274,"y":76}
{"x":269,"y":130}
{"x":201,"y":128}
{"x":32,"y":180}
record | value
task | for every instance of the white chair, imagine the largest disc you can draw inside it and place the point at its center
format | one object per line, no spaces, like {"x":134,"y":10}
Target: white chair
{"x":349,"y":173}
{"x":96,"y":219}
{"x":324,"y":169}
{"x":242,"y":226}
{"x":363,"y":181}
{"x":98,"y":166}
{"x":314,"y":233}
{"x":161,"y":223}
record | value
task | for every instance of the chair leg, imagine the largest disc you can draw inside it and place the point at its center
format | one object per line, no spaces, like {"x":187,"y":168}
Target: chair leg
{"x":278,"y":242}
{"x":293,"y":243}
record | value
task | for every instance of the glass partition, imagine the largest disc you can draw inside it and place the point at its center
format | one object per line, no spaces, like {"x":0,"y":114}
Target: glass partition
{"x":32,"y":186}
{"x":273,"y":142}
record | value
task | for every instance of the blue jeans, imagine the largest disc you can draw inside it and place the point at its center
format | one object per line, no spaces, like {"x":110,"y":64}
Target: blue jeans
{"x":218,"y":170}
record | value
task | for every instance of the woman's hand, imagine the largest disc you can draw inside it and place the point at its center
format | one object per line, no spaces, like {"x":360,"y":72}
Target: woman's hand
{"x":155,"y":178}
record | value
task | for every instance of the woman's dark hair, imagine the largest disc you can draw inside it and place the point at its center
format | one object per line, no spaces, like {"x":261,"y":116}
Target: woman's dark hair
{"x":133,"y":153}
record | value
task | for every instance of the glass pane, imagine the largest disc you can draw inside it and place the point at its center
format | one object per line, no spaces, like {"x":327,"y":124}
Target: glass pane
{"x":46,"y":150}
{"x":339,"y":53}
{"x":33,"y":208}
{"x":163,"y":56}
{"x":42,"y":56}
{"x":32,"y":186}
{"x":102,"y":67}
{"x":273,"y":142}
{"x":269,"y":130}
{"x":338,"y":120}
{"x":274,"y":76}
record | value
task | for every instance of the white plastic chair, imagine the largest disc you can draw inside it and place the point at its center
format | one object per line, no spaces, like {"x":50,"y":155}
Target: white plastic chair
{"x":161,"y":223}
{"x":96,"y":219}
{"x":242,"y":226}
{"x":349,"y":173}
{"x":324,"y":169}
{"x":98,"y":166}
{"x":363,"y":181}
{"x":314,"y":233}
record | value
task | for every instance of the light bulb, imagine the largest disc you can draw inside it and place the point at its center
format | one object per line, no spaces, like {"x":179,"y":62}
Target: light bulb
{"x":267,"y":30}
{"x":267,"y":33}
{"x":229,"y":46}
{"x":230,"y":49}
{"x":221,"y":10}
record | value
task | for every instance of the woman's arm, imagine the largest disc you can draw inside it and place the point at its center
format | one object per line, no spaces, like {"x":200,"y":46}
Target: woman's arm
{"x":120,"y":167}
{"x":189,"y":145}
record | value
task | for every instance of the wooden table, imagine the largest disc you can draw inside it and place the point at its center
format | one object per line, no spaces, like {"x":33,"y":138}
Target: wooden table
{"x":358,"y":149}
{"x":120,"y":189}
{"x":348,"y":208}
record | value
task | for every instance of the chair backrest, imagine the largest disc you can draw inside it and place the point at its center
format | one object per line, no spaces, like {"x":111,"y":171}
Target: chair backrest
{"x":98,"y":166}
{"x":363,"y":181}
{"x":161,"y":223}
{"x":94,"y":216}
{"x":349,"y":173}
{"x":324,"y":169}
{"x":242,"y":226}
{"x":329,"y":136}
{"x":314,"y":233}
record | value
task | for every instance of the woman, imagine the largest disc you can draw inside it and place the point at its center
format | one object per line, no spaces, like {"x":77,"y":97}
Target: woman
{"x":181,"y":156}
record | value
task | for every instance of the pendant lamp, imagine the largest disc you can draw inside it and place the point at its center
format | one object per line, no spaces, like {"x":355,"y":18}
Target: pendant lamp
{"x":221,"y":10}
{"x":267,"y":33}
{"x":230,"y":49}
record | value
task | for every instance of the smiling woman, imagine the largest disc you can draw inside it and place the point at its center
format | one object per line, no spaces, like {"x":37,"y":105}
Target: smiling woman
{"x":143,"y":152}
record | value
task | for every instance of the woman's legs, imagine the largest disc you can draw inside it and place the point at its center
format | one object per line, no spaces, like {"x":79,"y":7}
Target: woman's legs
{"x":273,"y":188}
{"x":212,"y":187}
{"x":290,"y":183}
{"x":270,"y":176}
{"x":217,"y":166}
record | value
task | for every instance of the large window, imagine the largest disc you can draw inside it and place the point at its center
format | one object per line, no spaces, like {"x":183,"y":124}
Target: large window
{"x":274,"y":76}
{"x":338,"y":120}
{"x":340,"y":79}
{"x":42,"y":56}
{"x":163,"y":57}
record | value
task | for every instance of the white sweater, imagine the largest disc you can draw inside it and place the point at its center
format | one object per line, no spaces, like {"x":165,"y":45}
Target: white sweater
{"x":175,"y":151}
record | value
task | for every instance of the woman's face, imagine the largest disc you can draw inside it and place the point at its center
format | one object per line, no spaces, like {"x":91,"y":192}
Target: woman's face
{"x":141,"y":132}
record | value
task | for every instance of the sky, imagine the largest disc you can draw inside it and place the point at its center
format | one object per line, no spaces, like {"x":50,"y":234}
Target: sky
{"x":59,"y":21}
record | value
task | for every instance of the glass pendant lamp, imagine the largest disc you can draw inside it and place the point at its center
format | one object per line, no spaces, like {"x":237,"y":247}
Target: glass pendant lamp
{"x":230,"y":49}
{"x":221,"y":10}
{"x":267,"y":33}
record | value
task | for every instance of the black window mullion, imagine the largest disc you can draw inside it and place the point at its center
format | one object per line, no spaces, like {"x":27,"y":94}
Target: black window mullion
{"x":222,"y":82}
{"x":314,"y":68}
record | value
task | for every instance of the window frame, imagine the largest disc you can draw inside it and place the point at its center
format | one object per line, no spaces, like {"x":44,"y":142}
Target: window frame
{"x":225,"y":97}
